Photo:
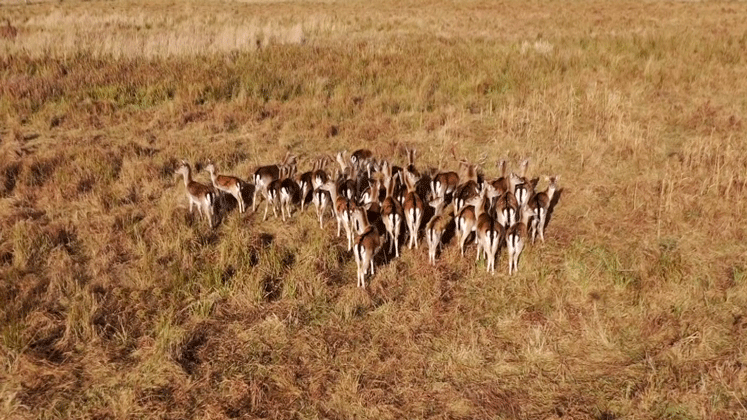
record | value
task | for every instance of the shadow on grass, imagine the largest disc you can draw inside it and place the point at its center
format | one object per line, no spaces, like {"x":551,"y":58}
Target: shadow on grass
{"x":553,"y":203}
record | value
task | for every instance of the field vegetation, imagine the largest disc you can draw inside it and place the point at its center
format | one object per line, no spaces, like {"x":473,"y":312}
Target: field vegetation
{"x":116,"y":303}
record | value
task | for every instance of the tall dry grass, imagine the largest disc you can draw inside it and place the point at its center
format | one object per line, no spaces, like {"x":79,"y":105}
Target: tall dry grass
{"x":116,"y":303}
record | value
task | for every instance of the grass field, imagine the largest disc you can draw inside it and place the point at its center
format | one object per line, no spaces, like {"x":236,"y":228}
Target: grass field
{"x":115,"y":303}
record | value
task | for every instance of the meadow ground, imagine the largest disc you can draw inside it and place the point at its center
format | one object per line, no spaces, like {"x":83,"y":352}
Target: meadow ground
{"x":115,"y":303}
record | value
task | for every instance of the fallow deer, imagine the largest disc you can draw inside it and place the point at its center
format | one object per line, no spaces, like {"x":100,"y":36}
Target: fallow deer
{"x":413,"y":209}
{"x":366,"y":246}
{"x":391,"y":211}
{"x":290,"y":192}
{"x":466,"y":222}
{"x":341,"y":207}
{"x":444,"y":183}
{"x":198,"y":194}
{"x":360,"y":157}
{"x":489,"y":233}
{"x":227,"y":184}
{"x":540,"y":203}
{"x":435,"y":228}
{"x":264,"y":175}
{"x":516,"y":237}
{"x":507,"y":209}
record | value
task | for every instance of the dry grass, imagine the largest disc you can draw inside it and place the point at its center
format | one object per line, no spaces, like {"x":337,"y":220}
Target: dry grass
{"x":116,"y":303}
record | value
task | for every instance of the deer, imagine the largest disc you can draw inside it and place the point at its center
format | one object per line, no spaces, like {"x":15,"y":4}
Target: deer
{"x":290,"y":192}
{"x":227,"y":184}
{"x":346,"y":183}
{"x":306,"y":184}
{"x":540,"y":203}
{"x":501,"y":184}
{"x":413,"y":208}
{"x":507,"y":209}
{"x":411,"y":154}
{"x":444,"y":183}
{"x":321,"y":199}
{"x":343,"y":161}
{"x":435,"y":228}
{"x":264,"y":175}
{"x":391,"y":210}
{"x":466,"y":222}
{"x":360,"y":157}
{"x":319,"y":176}
{"x":520,"y":185}
{"x":516,"y":237}
{"x":489,"y":233}
{"x":469,"y":188}
{"x":370,"y":194}
{"x":366,"y":246}
{"x":272,"y":192}
{"x":199,"y":195}
{"x":341,"y":207}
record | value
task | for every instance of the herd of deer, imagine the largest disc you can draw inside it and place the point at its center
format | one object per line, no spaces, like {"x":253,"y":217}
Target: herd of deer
{"x":372,"y":198}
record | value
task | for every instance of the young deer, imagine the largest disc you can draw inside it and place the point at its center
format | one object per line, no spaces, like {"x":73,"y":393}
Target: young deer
{"x":516,"y":237}
{"x":199,"y":195}
{"x":227,"y":184}
{"x":366,"y":246}
{"x":413,"y":208}
{"x":435,"y":228}
{"x":540,"y":203}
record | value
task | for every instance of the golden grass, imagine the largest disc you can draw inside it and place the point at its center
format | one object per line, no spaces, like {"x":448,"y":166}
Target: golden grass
{"x":116,"y":303}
